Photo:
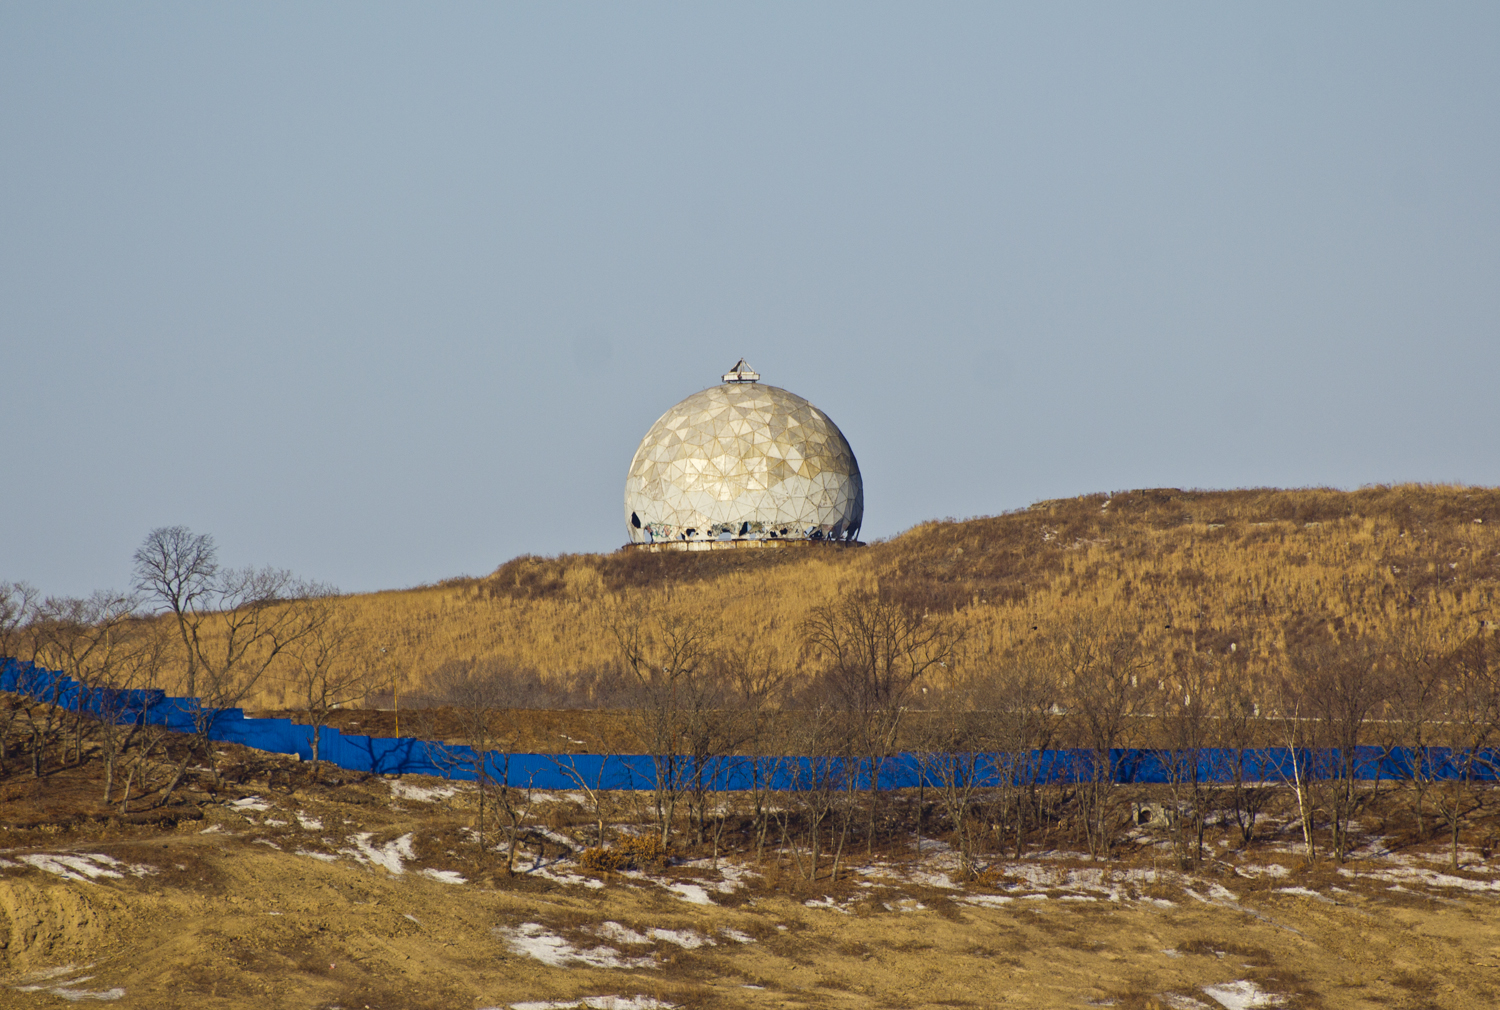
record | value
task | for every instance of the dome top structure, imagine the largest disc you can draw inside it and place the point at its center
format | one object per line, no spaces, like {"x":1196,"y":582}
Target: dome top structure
{"x":739,"y":464}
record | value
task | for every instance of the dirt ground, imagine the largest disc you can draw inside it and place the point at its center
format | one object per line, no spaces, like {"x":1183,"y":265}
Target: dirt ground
{"x":359,"y":892}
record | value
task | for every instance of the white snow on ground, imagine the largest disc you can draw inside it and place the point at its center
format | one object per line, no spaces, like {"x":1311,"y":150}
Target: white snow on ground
{"x":1274,"y":870}
{"x":682,"y":937}
{"x":325,"y":857}
{"x":737,"y":936}
{"x":693,"y":894}
{"x":575,"y":879}
{"x":987,"y":900}
{"x":596,"y":1003}
{"x":1184,"y":1002}
{"x":63,"y":982}
{"x":388,"y":855}
{"x":446,"y":876}
{"x":826,"y":902}
{"x":1217,"y":894}
{"x":621,"y":934}
{"x":308,"y":822}
{"x":555,"y":836}
{"x":1303,"y":892}
{"x":932,"y":878}
{"x":570,"y":796}
{"x":534,"y":940}
{"x":1420,"y":875}
{"x":250,"y":803}
{"x":406,"y":791}
{"x":1241,"y":996}
{"x":85,"y":867}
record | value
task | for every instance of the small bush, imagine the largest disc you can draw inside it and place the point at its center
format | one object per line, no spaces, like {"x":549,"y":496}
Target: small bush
{"x":631,"y":854}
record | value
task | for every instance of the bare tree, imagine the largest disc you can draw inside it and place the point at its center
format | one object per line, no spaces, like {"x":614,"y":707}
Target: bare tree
{"x":324,"y":669}
{"x":86,"y":639}
{"x":1341,"y":685}
{"x":18,"y":604}
{"x":758,"y":678}
{"x":18,"y":601}
{"x":955,"y":758}
{"x":1016,"y":700}
{"x":474,"y":698}
{"x":236,"y":624}
{"x":874,"y":651}
{"x":1242,"y":729}
{"x":1100,"y":664}
{"x":1421,"y":667}
{"x":1472,"y":722}
{"x":667,"y":654}
{"x":1184,"y":727}
{"x":179,"y":570}
{"x":816,"y":808}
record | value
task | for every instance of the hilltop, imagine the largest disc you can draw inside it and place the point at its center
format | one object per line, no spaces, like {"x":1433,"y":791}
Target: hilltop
{"x":1239,"y":575}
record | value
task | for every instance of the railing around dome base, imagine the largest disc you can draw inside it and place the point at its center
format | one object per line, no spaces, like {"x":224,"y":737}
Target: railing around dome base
{"x":720,"y":545}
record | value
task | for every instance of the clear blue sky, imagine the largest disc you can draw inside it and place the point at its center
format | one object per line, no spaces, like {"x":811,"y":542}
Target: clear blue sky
{"x":385,"y":294}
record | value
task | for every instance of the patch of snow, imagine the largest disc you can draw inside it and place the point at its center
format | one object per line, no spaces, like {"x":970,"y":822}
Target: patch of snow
{"x":445,"y":876}
{"x":212,"y":829}
{"x":987,"y":900}
{"x":575,"y":879}
{"x":1304,"y":892}
{"x":597,"y":1003}
{"x":267,"y":841}
{"x":250,"y":803}
{"x":693,"y":894}
{"x":325,"y":857}
{"x":308,"y":822}
{"x":423,"y":794}
{"x":567,"y":796}
{"x":63,"y":983}
{"x":1177,"y":1002}
{"x":1428,"y":878}
{"x":534,"y":940}
{"x":556,"y":836}
{"x":272,"y":822}
{"x":621,"y":934}
{"x":1241,"y":995}
{"x":85,"y":867}
{"x":737,"y":936}
{"x":826,"y":902}
{"x":686,"y":938}
{"x":932,"y":878}
{"x":388,"y":855}
{"x":1273,"y":870}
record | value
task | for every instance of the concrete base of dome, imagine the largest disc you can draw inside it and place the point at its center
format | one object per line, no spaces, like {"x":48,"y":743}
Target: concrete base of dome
{"x":746,"y":544}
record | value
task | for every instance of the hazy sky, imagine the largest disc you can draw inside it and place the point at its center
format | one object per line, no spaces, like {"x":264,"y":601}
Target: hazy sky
{"x":386,"y":294}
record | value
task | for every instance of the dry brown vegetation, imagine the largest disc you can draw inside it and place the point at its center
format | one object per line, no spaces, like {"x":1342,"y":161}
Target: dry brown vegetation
{"x":277,"y":883}
{"x":1238,"y":574}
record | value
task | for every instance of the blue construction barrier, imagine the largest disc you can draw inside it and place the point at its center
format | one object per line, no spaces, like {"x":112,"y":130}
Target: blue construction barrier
{"x":405,"y":755}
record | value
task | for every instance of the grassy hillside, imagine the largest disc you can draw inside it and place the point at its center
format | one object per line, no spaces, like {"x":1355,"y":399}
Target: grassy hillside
{"x":1239,"y":575}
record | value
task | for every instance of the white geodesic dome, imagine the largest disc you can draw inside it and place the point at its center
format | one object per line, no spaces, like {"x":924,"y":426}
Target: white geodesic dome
{"x":743,"y":461}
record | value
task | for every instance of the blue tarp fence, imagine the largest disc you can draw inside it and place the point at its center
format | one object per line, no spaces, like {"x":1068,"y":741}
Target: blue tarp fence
{"x":404,"y":755}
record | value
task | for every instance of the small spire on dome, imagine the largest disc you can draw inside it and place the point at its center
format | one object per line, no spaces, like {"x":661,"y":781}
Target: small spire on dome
{"x":741,"y":372}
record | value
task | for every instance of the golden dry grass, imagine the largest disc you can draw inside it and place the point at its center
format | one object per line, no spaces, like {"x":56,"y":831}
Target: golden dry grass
{"x":1199,"y":571}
